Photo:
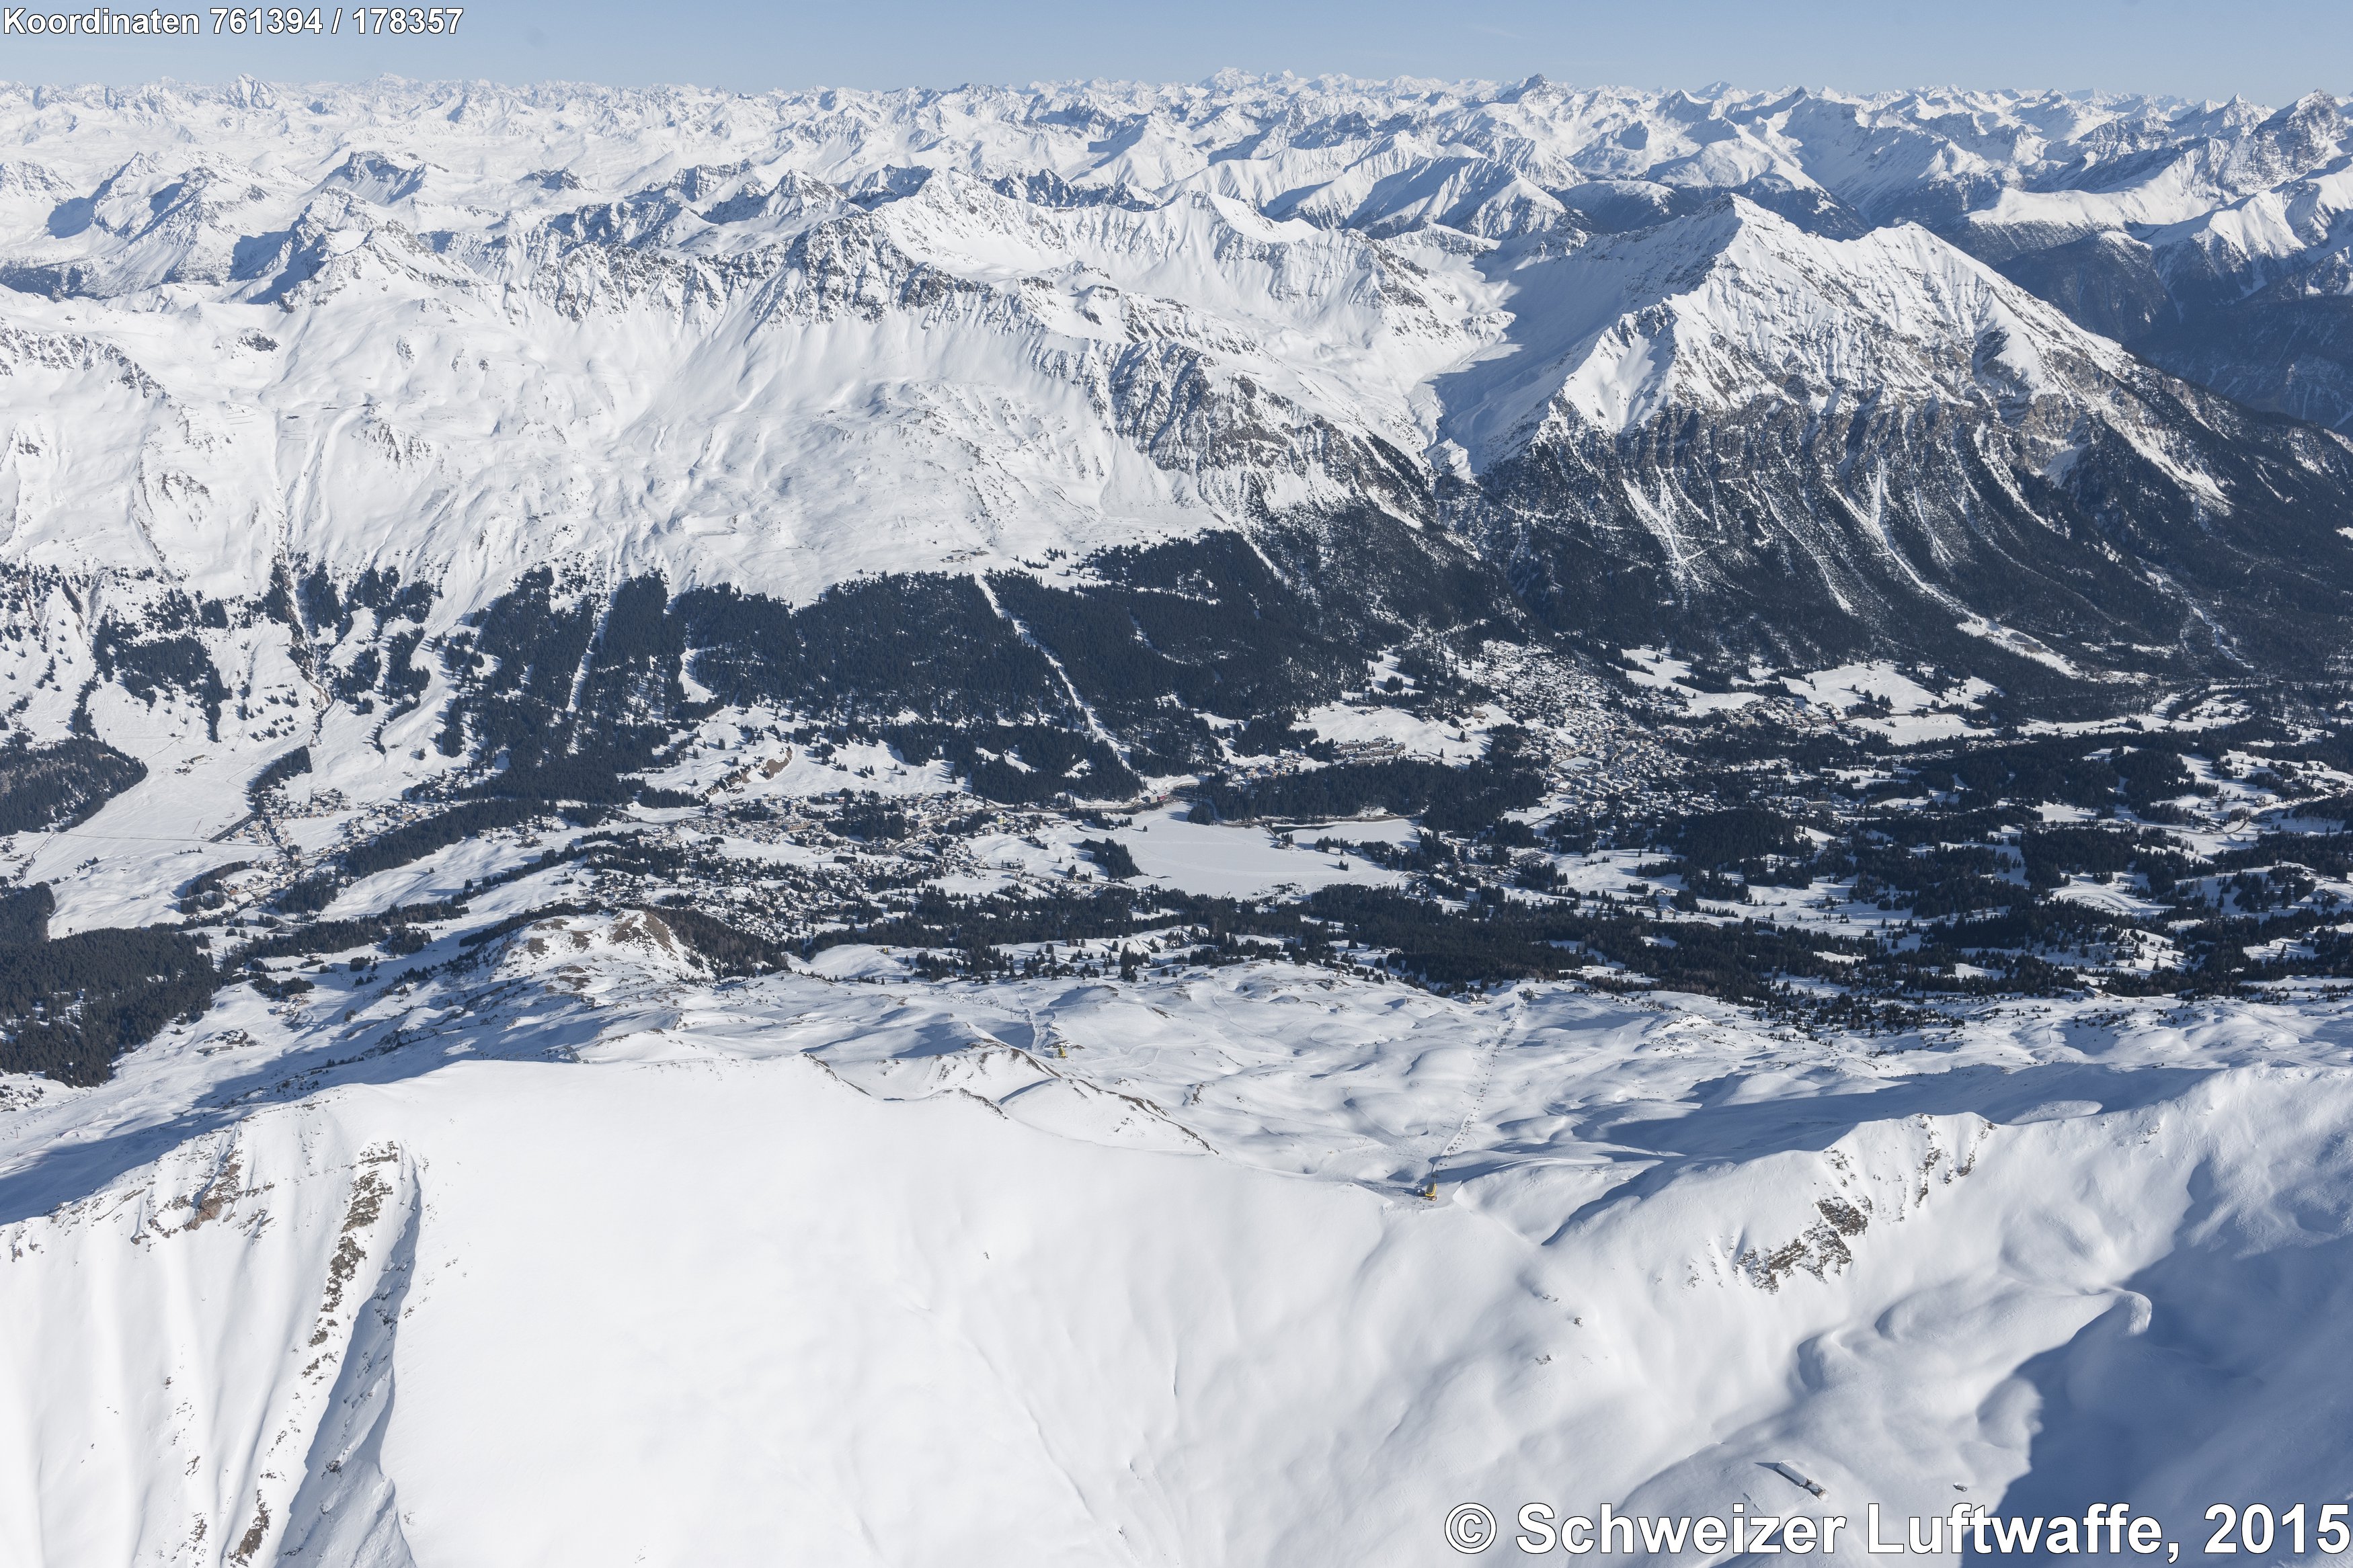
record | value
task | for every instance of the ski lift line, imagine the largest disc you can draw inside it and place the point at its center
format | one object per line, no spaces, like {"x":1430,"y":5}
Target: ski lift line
{"x":134,"y":837}
{"x":50,"y":833}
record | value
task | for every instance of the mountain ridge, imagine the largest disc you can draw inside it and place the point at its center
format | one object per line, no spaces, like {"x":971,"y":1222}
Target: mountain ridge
{"x":1141,"y":361}
{"x":502,"y":432}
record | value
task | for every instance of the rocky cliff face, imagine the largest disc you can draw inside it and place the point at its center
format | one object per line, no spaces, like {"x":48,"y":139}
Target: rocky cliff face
{"x":1813,"y":448}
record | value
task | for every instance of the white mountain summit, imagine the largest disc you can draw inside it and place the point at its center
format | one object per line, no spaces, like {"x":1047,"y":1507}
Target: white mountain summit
{"x":1733,"y":306}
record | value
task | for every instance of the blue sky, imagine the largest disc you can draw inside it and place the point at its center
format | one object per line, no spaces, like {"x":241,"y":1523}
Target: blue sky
{"x":2266,"y":49}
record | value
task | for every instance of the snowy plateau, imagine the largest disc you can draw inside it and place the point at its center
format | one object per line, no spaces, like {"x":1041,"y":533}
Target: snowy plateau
{"x":1126,"y":825}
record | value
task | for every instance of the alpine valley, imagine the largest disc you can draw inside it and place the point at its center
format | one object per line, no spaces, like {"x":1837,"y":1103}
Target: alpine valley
{"x":1138,"y":825}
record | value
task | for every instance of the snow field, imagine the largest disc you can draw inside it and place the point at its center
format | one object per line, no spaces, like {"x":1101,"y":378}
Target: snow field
{"x":1066,"y":1271}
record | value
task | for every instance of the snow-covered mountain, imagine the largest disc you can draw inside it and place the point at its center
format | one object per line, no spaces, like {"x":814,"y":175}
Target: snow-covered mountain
{"x":482,"y":429}
{"x":413,"y":341}
{"x":1798,"y":433}
{"x":1162,"y":824}
{"x":421,"y":327}
{"x":1078,"y":1273}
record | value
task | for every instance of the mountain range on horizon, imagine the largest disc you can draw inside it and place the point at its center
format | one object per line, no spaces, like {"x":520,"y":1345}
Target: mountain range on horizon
{"x":410,"y":403}
{"x":1166,"y":824}
{"x":2043,"y":390}
{"x":1191,"y":305}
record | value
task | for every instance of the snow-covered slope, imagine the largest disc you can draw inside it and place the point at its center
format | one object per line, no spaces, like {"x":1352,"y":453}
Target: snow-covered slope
{"x":1736,"y":306}
{"x":478,"y":565}
{"x":736,"y":406}
{"x":418,"y":325}
{"x":1782,"y":430}
{"x":1085,"y":1273}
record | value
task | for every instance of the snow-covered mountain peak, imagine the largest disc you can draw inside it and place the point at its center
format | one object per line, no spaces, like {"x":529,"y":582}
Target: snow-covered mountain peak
{"x":1734,"y":305}
{"x":1018,"y":364}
